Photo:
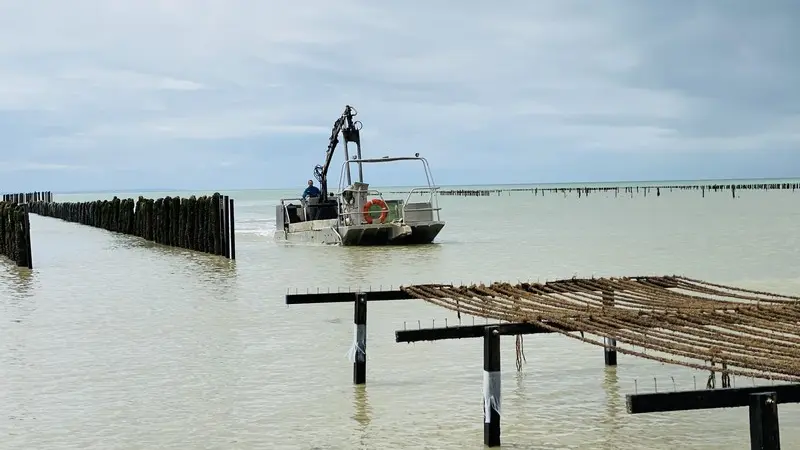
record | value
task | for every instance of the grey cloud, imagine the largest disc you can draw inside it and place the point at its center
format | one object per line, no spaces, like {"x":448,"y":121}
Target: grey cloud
{"x":539,"y":78}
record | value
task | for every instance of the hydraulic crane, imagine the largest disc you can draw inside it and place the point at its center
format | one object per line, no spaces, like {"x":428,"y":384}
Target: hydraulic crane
{"x":350,"y":131}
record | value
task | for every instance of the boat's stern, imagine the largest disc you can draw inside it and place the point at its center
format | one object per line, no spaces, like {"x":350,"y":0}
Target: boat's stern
{"x":405,"y":224}
{"x":390,"y":234}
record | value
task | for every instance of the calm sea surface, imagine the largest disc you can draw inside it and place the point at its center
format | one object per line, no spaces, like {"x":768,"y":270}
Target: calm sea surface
{"x":113,"y":343}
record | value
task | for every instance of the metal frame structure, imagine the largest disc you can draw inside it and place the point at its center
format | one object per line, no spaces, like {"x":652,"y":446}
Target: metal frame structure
{"x":761,"y":400}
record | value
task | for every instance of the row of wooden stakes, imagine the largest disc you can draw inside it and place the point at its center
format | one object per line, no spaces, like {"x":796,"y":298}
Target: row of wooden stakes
{"x":204,"y":224}
{"x":15,"y":234}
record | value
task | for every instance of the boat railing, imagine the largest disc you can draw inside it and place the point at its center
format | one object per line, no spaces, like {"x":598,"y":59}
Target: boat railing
{"x":433,"y":200}
{"x":286,"y":207}
{"x":367,"y":192}
{"x":386,"y":159}
{"x":431,"y":187}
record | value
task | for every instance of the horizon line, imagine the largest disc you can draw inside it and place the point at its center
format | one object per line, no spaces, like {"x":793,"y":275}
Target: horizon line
{"x":699,"y":181}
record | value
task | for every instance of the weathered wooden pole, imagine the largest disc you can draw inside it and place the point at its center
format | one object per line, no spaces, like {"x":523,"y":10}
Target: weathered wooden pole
{"x":764,"y":429}
{"x":360,"y":339}
{"x":28,"y":252}
{"x":216,"y":226}
{"x":226,"y":223}
{"x":610,"y":350}
{"x":233,"y":230}
{"x":491,"y":386}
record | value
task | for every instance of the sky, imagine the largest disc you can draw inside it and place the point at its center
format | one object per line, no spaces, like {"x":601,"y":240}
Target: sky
{"x":228,"y":94}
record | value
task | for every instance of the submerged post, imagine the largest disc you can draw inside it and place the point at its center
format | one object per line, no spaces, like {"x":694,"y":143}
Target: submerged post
{"x":764,"y":430}
{"x":491,"y":387}
{"x":360,"y":344}
{"x":610,"y":350}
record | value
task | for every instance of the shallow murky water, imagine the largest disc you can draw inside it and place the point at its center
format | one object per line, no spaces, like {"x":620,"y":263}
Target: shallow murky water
{"x":114,"y":343}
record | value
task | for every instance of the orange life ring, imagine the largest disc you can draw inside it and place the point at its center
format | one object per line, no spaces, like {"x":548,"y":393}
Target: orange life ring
{"x":368,"y":213}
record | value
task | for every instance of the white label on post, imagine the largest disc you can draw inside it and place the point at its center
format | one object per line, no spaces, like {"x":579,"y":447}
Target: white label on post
{"x":358,"y":351}
{"x":491,"y":394}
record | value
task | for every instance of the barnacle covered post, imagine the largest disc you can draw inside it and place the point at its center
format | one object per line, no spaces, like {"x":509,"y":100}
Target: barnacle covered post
{"x":226,"y":225}
{"x":190,"y":223}
{"x":232,"y":234}
{"x":15,"y":233}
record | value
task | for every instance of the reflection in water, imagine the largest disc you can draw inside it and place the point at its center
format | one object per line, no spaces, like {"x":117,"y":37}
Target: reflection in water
{"x":216,"y":272}
{"x":360,"y":262}
{"x":18,"y":305}
{"x":611,"y":420}
{"x":20,"y":280}
{"x":362,"y":412}
{"x":519,"y":389}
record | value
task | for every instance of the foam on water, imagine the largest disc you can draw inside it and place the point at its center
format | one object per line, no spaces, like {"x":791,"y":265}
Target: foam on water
{"x":258,"y":227}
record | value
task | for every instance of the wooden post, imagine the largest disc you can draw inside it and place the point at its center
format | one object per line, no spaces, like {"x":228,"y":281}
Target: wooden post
{"x":360,"y":343}
{"x":220,"y":215}
{"x":764,"y":430}
{"x":28,"y":237}
{"x":220,"y":227}
{"x":610,"y":351}
{"x":233,"y":230}
{"x":216,"y":231}
{"x":226,"y":220}
{"x":491,"y":386}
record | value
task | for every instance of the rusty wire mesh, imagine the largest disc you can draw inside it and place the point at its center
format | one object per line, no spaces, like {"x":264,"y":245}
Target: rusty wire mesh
{"x":692,"y":323}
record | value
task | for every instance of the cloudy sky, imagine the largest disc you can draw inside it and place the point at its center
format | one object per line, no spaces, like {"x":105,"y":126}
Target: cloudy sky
{"x":113,"y":94}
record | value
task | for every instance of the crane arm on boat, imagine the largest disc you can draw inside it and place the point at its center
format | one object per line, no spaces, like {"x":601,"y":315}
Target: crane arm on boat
{"x":350,"y":131}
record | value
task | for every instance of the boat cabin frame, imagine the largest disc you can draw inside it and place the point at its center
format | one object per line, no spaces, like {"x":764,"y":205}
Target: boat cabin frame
{"x":409,"y":212}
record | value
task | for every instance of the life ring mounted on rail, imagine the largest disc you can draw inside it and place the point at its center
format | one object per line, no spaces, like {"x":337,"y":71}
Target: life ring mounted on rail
{"x":368,"y":214}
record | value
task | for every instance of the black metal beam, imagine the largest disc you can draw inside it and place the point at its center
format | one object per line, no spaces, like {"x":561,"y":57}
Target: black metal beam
{"x":707,"y":398}
{"x":469,"y":331}
{"x":344,"y":297}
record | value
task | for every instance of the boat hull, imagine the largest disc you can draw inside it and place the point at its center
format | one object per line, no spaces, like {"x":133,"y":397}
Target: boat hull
{"x":324,"y":232}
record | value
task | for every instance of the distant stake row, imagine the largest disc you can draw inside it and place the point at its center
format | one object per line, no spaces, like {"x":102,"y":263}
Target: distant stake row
{"x":625,"y":190}
{"x":29,"y":197}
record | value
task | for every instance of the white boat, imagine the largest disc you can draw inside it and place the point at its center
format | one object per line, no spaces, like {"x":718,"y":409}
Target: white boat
{"x":355,"y":214}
